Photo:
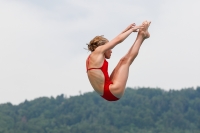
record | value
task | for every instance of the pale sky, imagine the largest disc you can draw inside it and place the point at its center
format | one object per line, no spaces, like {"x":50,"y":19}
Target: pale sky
{"x":42,"y":44}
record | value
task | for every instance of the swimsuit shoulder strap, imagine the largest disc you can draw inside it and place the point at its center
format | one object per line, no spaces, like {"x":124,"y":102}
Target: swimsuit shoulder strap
{"x":92,"y":68}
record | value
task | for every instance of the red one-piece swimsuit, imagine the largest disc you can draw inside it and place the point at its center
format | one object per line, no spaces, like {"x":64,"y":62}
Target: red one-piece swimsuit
{"x":106,"y":94}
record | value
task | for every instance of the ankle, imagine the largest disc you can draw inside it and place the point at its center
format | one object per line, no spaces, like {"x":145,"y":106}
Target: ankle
{"x":144,"y":34}
{"x":141,"y":34}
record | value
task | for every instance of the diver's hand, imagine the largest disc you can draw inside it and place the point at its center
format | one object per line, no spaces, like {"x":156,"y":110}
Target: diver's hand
{"x":136,"y":28}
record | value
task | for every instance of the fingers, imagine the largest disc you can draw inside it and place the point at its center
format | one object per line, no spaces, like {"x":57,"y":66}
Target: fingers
{"x":135,"y":28}
{"x":132,"y":25}
{"x":146,"y":22}
{"x":129,"y":27}
{"x":138,"y":27}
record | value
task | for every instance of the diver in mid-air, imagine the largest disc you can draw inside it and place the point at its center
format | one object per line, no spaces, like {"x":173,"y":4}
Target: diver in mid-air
{"x":112,"y":87}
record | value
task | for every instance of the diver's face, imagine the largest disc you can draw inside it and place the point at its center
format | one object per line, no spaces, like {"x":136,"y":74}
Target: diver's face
{"x":108,"y":54}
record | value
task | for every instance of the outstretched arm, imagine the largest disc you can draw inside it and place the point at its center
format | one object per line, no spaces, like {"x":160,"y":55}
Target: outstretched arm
{"x":120,"y":38}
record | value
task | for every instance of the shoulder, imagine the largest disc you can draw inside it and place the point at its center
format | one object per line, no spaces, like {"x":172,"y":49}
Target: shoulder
{"x":99,"y":51}
{"x":96,"y":56}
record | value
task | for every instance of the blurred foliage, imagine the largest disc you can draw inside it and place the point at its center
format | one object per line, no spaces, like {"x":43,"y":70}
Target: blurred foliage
{"x":140,"y":110}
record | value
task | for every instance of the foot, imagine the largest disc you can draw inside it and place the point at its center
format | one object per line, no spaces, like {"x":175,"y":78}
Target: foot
{"x":144,"y":30}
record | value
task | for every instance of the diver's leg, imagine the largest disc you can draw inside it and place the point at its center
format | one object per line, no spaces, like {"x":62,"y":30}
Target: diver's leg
{"x":119,"y":75}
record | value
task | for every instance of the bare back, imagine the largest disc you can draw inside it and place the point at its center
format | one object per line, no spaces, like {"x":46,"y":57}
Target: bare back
{"x":96,"y":76}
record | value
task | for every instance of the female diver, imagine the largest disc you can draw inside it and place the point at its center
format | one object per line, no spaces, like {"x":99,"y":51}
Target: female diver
{"x":112,"y":87}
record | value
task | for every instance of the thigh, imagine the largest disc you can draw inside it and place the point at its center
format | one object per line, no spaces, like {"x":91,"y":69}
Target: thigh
{"x":119,"y":77}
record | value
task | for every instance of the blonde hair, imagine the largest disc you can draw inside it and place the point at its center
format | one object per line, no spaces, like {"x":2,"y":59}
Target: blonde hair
{"x":95,"y":42}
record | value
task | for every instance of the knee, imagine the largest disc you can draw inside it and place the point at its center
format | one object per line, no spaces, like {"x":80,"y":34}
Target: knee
{"x":124,"y":59}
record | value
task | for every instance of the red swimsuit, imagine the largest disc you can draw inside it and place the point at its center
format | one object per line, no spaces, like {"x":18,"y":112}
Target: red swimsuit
{"x":107,"y":94}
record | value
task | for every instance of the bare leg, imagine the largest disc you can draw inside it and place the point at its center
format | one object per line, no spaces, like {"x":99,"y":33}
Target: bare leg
{"x":119,"y":75}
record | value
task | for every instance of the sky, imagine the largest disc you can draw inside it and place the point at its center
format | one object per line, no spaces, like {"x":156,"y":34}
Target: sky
{"x":42,"y":44}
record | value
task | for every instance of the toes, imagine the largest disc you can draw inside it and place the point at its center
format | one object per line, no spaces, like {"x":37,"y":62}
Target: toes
{"x":146,"y":22}
{"x":145,"y":25}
